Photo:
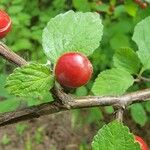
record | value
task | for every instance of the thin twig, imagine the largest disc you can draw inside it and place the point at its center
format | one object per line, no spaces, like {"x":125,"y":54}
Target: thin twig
{"x":145,"y":79}
{"x":142,"y":79}
{"x":59,"y":105}
{"x":9,"y":55}
{"x":83,"y":102}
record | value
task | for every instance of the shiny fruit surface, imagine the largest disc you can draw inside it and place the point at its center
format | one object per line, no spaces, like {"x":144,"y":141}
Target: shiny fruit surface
{"x":143,"y":5}
{"x":5,"y":24}
{"x":138,"y":1}
{"x":141,"y":142}
{"x":73,"y":70}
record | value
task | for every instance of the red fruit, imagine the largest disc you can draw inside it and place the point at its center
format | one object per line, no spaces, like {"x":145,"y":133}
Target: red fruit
{"x":5,"y":23}
{"x":73,"y":70}
{"x":143,"y":5}
{"x":138,"y":1}
{"x":141,"y":142}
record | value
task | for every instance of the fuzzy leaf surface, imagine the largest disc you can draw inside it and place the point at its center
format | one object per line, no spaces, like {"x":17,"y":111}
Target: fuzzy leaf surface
{"x":30,"y":80}
{"x":112,"y":82}
{"x":127,"y":59}
{"x":72,"y":31}
{"x":114,"y":136}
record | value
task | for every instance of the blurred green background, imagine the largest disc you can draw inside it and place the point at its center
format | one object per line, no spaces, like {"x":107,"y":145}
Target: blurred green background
{"x":75,"y":129}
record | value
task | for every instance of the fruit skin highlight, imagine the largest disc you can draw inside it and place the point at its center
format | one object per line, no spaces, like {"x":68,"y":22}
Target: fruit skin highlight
{"x":5,"y":24}
{"x":143,"y":145}
{"x":73,"y":70}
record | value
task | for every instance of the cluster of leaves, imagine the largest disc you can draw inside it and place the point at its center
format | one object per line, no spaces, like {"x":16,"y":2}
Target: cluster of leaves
{"x":61,"y":36}
{"x":57,"y":39}
{"x":28,"y":24}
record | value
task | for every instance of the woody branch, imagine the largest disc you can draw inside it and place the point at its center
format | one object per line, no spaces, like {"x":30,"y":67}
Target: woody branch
{"x":64,"y":101}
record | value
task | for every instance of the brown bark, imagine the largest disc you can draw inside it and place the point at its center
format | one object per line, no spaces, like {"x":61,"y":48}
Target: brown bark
{"x":64,"y":101}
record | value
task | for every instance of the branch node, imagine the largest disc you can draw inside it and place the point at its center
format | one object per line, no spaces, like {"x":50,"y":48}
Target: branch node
{"x":64,"y":101}
{"x":62,"y":97}
{"x":120,"y":107}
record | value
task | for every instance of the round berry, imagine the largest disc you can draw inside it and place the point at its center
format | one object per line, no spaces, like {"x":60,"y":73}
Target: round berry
{"x":5,"y":24}
{"x":143,"y":5}
{"x":143,"y":145}
{"x":138,"y":1}
{"x":73,"y":70}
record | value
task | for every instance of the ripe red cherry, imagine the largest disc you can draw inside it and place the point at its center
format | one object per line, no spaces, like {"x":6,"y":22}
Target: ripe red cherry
{"x":5,"y":24}
{"x":73,"y":70}
{"x":138,"y":1}
{"x":141,"y":142}
{"x":143,"y":5}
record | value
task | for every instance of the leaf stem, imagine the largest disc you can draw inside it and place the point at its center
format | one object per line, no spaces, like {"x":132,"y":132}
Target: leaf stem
{"x":9,"y":55}
{"x":141,"y":71}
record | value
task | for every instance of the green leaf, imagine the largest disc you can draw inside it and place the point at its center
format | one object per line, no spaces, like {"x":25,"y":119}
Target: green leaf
{"x":123,"y":41}
{"x":131,"y":7}
{"x":22,"y":44}
{"x":3,"y":92}
{"x":119,"y":10}
{"x":138,"y":114}
{"x":5,"y":140}
{"x":14,"y":9}
{"x":95,"y":115}
{"x":38,"y":136}
{"x":113,"y":2}
{"x":12,"y":104}
{"x":109,"y":109}
{"x":30,"y":80}
{"x":9,"y":105}
{"x":102,"y":7}
{"x":127,"y":59}
{"x":112,"y":82}
{"x":141,"y":37}
{"x":114,"y":136}
{"x":20,"y":128}
{"x":72,"y":31}
{"x":78,"y":4}
{"x":147,"y":106}
{"x":16,"y":2}
{"x":81,"y":91}
{"x":45,"y":98}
